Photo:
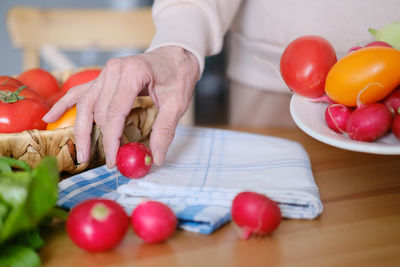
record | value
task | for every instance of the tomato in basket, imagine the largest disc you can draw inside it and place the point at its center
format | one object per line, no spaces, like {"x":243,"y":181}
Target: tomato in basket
{"x":41,"y":81}
{"x":8,"y":80}
{"x":81,"y":77}
{"x":21,"y":109}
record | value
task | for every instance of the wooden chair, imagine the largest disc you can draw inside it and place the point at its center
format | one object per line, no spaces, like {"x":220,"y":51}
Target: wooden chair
{"x":31,"y":29}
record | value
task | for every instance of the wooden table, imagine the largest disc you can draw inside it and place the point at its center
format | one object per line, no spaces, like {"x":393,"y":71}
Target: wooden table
{"x":360,"y":224}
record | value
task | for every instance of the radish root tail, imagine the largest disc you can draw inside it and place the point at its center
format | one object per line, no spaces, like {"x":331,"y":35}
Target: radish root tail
{"x":272,"y":66}
{"x":334,"y":122}
{"x":359,"y":103}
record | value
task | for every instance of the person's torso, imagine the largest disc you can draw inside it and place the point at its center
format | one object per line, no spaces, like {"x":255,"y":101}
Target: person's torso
{"x":263,"y":28}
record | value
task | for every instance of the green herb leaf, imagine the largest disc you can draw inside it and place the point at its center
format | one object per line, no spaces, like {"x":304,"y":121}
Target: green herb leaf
{"x":29,"y":196}
{"x":30,"y":239}
{"x":18,"y":256}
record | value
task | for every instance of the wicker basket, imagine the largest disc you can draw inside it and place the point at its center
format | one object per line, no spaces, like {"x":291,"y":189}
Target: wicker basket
{"x":32,"y":145}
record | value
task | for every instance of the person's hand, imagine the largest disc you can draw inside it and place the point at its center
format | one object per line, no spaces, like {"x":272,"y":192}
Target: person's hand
{"x":169,"y":74}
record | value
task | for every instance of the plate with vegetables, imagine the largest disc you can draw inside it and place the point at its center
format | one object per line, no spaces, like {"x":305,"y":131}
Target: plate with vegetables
{"x":309,"y":117}
{"x":352,"y":102}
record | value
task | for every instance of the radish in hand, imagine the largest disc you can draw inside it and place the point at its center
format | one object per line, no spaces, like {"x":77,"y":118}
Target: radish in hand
{"x":134,"y":160}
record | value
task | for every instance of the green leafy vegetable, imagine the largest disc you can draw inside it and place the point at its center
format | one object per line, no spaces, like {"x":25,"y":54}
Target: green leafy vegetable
{"x":390,"y":34}
{"x":18,"y":256}
{"x":27,"y":197}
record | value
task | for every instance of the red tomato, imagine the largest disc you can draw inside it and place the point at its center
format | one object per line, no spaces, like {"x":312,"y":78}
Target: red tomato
{"x":80,"y":78}
{"x":97,"y":224}
{"x":305,"y":63}
{"x":8,"y":80}
{"x":21,"y":109}
{"x":41,"y":81}
{"x":134,"y":160}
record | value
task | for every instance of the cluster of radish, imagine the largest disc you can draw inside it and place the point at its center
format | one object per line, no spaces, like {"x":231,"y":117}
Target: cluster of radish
{"x":101,"y":224}
{"x":362,"y":88}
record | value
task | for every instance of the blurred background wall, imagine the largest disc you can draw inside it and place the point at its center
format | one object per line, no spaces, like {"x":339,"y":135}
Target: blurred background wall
{"x":211,"y":91}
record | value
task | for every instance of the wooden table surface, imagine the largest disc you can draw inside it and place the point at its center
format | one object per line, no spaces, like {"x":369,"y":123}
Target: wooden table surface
{"x":360,"y":224}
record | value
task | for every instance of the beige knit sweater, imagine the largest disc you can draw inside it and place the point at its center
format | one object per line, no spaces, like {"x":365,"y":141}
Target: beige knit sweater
{"x":261,"y":29}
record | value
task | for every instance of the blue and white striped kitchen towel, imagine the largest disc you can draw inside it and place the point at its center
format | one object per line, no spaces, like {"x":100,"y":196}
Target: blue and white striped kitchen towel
{"x":204,"y":169}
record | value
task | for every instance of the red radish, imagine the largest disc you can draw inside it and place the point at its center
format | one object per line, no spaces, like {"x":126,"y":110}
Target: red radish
{"x":369,"y":122}
{"x":392,"y":101}
{"x":354,"y":48}
{"x":153,"y":221}
{"x":322,"y":99}
{"x":134,"y":160}
{"x":396,"y":125}
{"x":374,"y":43}
{"x":378,"y":43}
{"x":97,"y":224}
{"x":255,"y":213}
{"x":336,"y":116}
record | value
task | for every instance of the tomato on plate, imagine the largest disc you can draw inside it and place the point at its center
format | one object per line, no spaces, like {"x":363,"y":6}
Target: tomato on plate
{"x":305,"y":63}
{"x":8,"y":80}
{"x":41,"y":81}
{"x":81,"y":77}
{"x":66,"y":120}
{"x":364,"y":76}
{"x":21,"y":109}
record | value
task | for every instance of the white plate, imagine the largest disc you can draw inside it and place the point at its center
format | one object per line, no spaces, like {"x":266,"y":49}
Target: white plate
{"x":310,"y":117}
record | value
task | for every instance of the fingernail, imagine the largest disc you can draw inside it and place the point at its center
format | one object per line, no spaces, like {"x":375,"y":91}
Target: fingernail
{"x":45,"y":117}
{"x":158,"y":157}
{"x":110,"y":163}
{"x":79,"y":156}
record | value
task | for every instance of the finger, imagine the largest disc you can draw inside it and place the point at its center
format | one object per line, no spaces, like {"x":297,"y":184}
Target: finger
{"x":163,"y":132}
{"x":84,"y":119}
{"x":119,"y":107}
{"x":65,"y":102}
{"x":111,"y":78}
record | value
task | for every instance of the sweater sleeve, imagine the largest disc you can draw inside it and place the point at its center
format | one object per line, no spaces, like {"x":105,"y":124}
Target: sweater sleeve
{"x":198,"y":26}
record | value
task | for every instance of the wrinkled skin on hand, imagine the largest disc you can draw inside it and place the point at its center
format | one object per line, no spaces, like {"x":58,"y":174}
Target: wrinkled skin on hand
{"x":168,"y":74}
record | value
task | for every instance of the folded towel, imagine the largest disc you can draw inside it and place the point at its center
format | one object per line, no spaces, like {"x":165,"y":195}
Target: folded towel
{"x":204,"y":169}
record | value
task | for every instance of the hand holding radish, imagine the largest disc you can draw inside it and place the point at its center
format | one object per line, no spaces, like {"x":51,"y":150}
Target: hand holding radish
{"x":167,"y":74}
{"x":134,"y":160}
